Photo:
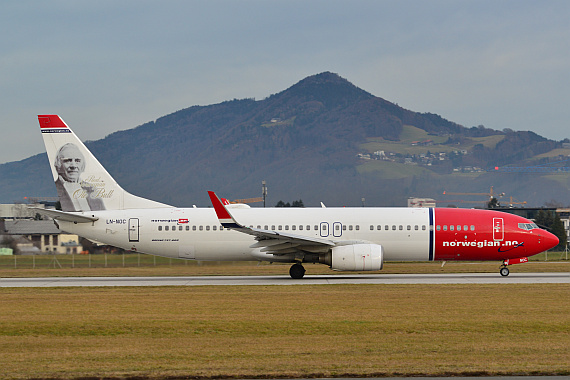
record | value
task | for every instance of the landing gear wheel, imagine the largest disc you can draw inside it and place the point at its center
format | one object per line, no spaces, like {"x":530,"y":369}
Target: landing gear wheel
{"x":297,"y":271}
{"x":504,"y":271}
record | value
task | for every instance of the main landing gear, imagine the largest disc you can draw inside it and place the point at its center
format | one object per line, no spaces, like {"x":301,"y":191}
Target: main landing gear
{"x":297,"y":271}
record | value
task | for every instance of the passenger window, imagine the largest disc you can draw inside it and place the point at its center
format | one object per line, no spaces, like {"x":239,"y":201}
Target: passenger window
{"x":458,"y":228}
{"x":187,"y":228}
{"x":438,"y":228}
{"x":214,"y":228}
{"x":386,"y":227}
{"x":344,"y":227}
{"x":451,"y":227}
{"x":379,"y":227}
{"x":371,"y":228}
{"x":409,"y":228}
{"x":293,"y":227}
{"x":445,"y":228}
{"x":207,"y":228}
{"x":350,"y":228}
{"x":179,"y":228}
{"x":273,"y":228}
{"x":465,"y":228}
{"x":265,"y":227}
{"x":280,"y":227}
{"x":166,"y":228}
{"x":472,"y":228}
{"x":173,"y":228}
{"x":258,"y":227}
{"x":401,"y":227}
{"x":416,"y":227}
{"x":424,"y":228}
{"x":316,"y":227}
{"x":160,"y":228}
{"x":393,"y":227}
{"x":357,"y":227}
{"x":201,"y":228}
{"x":301,"y":227}
{"x":287,"y":228}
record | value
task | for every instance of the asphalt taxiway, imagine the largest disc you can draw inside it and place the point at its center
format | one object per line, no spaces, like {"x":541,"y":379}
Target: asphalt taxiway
{"x":453,"y":278}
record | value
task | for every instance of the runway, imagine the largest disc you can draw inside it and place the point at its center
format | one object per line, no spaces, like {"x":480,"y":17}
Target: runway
{"x":455,"y":278}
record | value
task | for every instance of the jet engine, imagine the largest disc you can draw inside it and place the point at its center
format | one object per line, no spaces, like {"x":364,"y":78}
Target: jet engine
{"x":355,"y":257}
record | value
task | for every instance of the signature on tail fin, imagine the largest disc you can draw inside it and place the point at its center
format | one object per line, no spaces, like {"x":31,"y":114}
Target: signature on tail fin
{"x":82,"y":182}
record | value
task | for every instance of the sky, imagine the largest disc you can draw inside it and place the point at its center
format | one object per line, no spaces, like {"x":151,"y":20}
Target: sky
{"x":105,"y":66}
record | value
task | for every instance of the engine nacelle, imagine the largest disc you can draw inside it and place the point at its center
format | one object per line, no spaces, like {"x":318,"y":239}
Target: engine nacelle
{"x":355,"y":257}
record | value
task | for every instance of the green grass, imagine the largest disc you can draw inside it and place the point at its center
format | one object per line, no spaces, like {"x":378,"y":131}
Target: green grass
{"x":554,"y":153}
{"x":487,"y":141}
{"x":410,"y":133}
{"x":391,"y":170}
{"x":274,"y":331}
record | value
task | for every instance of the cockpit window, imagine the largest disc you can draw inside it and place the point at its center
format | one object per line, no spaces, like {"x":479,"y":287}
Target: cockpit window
{"x":527,"y":226}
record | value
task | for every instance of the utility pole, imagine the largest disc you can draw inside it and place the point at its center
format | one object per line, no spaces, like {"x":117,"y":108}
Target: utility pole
{"x":263,"y":191}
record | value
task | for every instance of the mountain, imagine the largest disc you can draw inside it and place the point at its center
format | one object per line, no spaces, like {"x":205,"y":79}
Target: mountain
{"x":314,"y":141}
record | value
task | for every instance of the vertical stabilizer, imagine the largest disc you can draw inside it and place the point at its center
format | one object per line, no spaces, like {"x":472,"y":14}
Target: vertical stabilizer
{"x":82,"y":182}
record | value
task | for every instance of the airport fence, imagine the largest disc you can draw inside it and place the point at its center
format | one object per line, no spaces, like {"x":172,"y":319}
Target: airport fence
{"x":89,"y":261}
{"x":132,"y":260}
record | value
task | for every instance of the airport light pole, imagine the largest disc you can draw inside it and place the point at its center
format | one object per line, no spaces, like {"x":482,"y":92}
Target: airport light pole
{"x":263,"y":191}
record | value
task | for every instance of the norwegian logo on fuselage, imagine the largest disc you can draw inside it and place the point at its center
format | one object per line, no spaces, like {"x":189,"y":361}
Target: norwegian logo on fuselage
{"x":481,"y":244}
{"x":183,"y":221}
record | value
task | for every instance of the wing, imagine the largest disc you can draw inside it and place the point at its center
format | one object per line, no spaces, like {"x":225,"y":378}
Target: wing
{"x":270,"y":242}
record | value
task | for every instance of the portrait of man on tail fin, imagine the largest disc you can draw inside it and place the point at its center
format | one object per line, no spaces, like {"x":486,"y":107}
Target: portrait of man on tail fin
{"x":74,"y":194}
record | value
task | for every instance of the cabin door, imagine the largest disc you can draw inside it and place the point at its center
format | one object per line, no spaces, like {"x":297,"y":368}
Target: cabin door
{"x":498,"y":229}
{"x":133,"y":230}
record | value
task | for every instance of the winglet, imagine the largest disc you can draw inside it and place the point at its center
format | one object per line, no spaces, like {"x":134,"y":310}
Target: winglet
{"x":224,"y":216}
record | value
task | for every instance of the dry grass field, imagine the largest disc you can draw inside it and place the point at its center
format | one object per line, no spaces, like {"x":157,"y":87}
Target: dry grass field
{"x":305,"y":331}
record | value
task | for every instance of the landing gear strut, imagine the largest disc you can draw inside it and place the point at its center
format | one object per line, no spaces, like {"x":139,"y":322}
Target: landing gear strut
{"x":297,"y":271}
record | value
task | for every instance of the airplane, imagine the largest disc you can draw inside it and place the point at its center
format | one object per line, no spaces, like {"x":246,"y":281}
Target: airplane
{"x":94,"y":206}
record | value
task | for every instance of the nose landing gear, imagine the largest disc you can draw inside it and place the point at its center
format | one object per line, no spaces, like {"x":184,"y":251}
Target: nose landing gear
{"x":504,"y":271}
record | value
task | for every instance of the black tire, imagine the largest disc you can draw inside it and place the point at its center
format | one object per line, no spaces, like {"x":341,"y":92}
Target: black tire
{"x":297,"y":271}
{"x":504,"y":271}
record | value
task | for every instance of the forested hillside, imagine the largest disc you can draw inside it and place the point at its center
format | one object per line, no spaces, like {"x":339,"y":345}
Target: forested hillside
{"x":323,"y":139}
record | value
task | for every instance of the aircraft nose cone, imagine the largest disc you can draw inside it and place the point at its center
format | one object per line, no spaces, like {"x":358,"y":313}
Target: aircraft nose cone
{"x":549,"y":240}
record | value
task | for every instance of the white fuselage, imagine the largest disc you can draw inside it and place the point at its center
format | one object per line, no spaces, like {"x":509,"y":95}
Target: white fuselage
{"x":196,"y":233}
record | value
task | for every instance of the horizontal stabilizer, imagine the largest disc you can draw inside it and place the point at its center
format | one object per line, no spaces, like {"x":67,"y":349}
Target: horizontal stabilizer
{"x":67,"y":216}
